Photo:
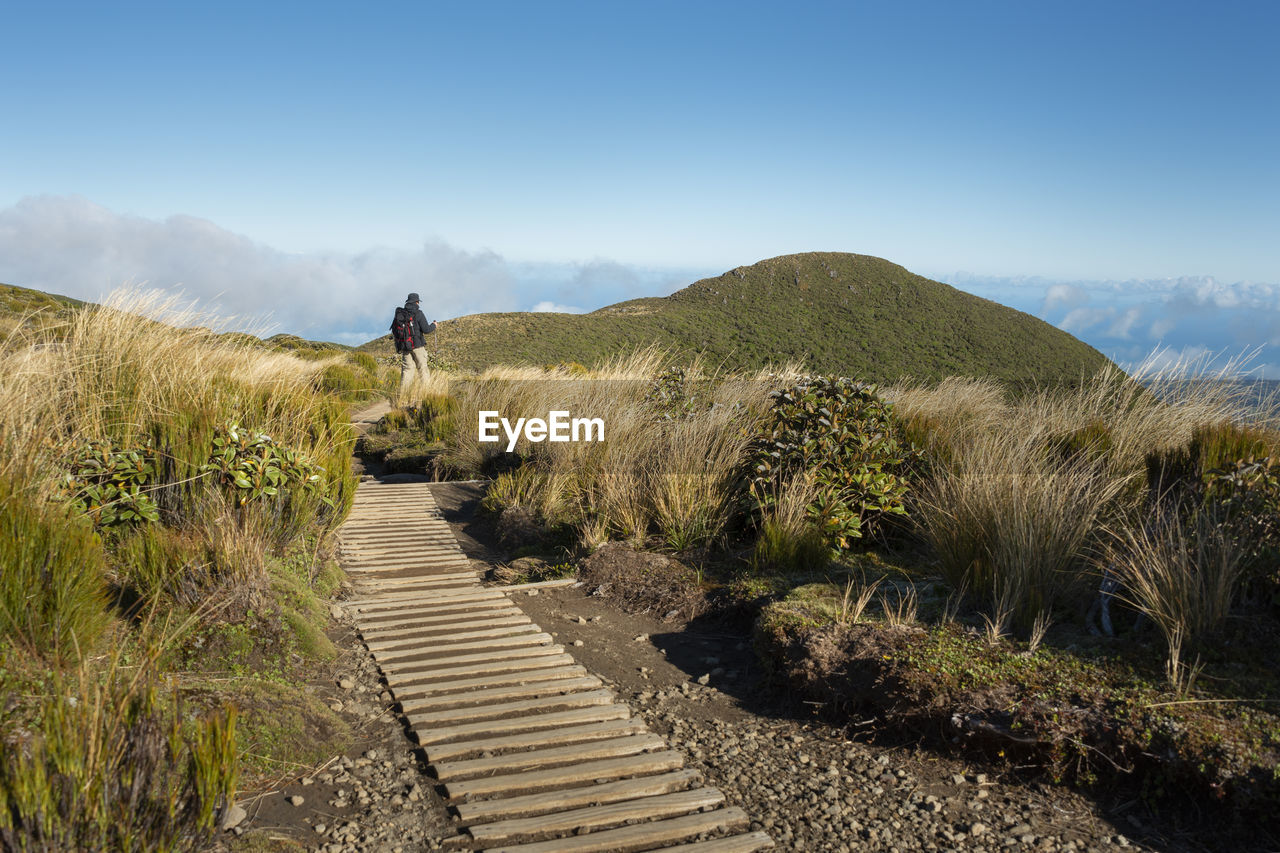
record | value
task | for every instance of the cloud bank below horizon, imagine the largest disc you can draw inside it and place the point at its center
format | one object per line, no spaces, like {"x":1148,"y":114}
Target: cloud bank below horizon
{"x":71,"y":246}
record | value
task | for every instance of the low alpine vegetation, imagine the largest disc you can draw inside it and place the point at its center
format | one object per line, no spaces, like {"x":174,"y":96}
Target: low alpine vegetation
{"x":164,"y":494}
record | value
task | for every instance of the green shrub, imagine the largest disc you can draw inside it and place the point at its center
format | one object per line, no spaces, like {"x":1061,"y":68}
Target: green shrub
{"x":845,"y":435}
{"x":111,"y":483}
{"x":779,"y":546}
{"x":436,"y":415}
{"x":1246,"y":497}
{"x":343,"y":380}
{"x":157,"y":563}
{"x":52,"y":595}
{"x":254,"y":467}
{"x":110,"y":768}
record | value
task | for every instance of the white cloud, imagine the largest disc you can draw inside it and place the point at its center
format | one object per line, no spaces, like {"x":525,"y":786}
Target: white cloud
{"x":1123,"y":325}
{"x":551,"y":307}
{"x":74,"y":247}
{"x":1063,"y":296}
{"x":71,"y":246}
{"x":1082,"y":319}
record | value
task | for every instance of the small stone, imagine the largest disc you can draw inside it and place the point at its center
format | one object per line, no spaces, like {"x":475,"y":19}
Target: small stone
{"x":296,"y":800}
{"x":977,"y":829}
{"x":320,"y":828}
{"x":579,"y":643}
{"x":582,"y":620}
{"x":640,"y":638}
{"x":346,"y":683}
{"x":958,"y":779}
{"x":531,"y":592}
{"x":307,"y":780}
{"x":372,"y":755}
{"x":335,"y":706}
{"x":336,"y":611}
{"x":705,"y":678}
{"x":1020,"y":829}
{"x":234,"y":817}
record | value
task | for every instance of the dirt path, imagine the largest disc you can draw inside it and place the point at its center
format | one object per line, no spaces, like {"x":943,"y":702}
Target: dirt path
{"x":811,"y":786}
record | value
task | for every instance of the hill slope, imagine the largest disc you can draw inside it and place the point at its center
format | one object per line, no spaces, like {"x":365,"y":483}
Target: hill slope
{"x":841,"y":313}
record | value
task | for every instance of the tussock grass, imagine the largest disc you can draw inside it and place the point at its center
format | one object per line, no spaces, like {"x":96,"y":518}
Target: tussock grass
{"x":655,"y":470}
{"x":1181,"y":574}
{"x":110,"y":761}
{"x":113,"y":765}
{"x":1016,"y":508}
{"x":788,"y":539}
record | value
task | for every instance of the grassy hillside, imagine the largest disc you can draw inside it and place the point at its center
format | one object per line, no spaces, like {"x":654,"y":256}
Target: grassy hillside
{"x":21,"y":307}
{"x":842,"y":313}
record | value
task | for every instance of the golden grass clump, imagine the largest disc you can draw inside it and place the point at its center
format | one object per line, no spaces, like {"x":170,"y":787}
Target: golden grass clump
{"x":669,"y":471}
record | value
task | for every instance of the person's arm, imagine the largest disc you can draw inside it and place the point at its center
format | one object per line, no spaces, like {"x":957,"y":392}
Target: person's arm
{"x":424,"y":325}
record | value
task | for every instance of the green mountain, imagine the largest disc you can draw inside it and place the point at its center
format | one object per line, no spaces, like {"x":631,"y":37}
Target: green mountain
{"x":853,"y":315}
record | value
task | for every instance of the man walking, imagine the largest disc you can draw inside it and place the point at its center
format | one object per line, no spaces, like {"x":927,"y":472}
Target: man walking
{"x":411,"y":343}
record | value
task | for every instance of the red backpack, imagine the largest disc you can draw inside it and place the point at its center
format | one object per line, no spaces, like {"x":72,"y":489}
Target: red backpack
{"x":402,"y":329}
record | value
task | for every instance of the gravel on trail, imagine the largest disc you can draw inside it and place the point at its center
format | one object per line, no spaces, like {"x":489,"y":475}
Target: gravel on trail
{"x":813,"y":787}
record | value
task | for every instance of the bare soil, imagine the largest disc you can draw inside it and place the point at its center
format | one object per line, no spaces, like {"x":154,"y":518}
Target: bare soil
{"x":812,"y":785}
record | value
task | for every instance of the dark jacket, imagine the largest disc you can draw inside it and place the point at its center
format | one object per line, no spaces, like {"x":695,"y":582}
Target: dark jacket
{"x":421,"y":328}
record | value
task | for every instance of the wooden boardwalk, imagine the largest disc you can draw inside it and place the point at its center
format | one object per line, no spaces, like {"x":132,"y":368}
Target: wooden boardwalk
{"x":534,"y":753}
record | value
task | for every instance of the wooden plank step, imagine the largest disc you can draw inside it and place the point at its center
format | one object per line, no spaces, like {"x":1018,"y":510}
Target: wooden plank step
{"x":564,"y":735}
{"x":377,"y":572}
{"x":449,"y":771}
{"x":608,"y":768}
{"x":400,"y":538}
{"x":464,"y":592}
{"x":373,"y":569}
{"x":418,"y":557}
{"x":399,"y":620}
{"x":585,"y":699}
{"x":371,"y":586}
{"x":472,"y":670}
{"x":639,"y":836}
{"x":435,"y":664}
{"x":399,"y":583}
{"x":510,"y":626}
{"x":437,"y":600}
{"x":445,"y":689}
{"x":511,"y":691}
{"x":425,"y":652}
{"x":746,"y":843}
{"x":428,"y":585}
{"x":595,"y":817}
{"x":439,"y":621}
{"x":418,"y":548}
{"x":449,"y":592}
{"x":372,"y":574}
{"x":510,"y":725}
{"x":609,"y":792}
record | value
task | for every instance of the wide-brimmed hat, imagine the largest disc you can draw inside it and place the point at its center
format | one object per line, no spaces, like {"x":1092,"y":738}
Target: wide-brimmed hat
{"x":413,"y":297}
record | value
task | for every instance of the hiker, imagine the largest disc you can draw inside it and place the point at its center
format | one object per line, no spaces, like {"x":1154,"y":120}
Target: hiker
{"x":409,"y":331}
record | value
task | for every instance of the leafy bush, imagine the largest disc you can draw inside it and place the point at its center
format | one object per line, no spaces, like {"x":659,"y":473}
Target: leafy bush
{"x":845,"y":435}
{"x":670,"y":395}
{"x":255,"y":467}
{"x":111,"y":483}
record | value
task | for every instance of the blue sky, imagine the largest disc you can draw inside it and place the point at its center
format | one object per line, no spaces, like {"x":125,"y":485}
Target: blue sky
{"x":314,"y":161}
